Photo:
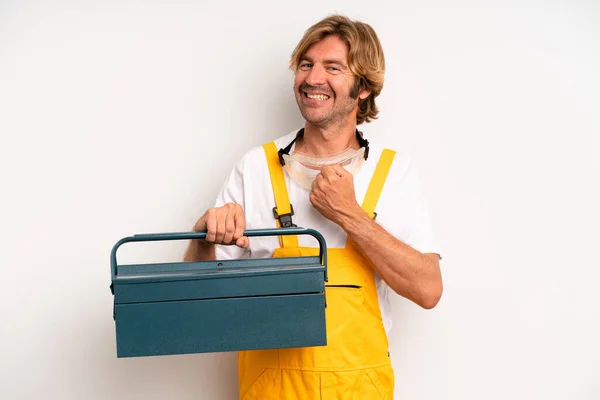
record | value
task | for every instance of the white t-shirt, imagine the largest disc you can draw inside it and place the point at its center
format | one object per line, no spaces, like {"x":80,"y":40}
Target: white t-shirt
{"x":401,"y":209}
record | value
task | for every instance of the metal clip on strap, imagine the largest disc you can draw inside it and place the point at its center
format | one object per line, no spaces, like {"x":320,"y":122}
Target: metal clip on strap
{"x":285,"y":220}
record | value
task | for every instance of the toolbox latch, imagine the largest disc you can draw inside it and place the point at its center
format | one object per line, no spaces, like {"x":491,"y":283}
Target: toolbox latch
{"x":285,"y":220}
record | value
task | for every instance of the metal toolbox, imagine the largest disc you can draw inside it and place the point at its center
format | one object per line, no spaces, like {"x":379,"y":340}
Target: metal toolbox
{"x":214,"y":306}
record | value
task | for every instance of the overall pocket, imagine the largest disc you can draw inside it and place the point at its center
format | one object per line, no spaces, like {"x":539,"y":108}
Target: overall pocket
{"x":345,"y":319}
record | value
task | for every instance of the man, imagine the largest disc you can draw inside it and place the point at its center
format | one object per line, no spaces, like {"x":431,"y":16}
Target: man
{"x":383,"y":243}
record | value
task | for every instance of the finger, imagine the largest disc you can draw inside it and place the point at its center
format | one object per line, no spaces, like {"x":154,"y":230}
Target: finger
{"x":339,"y":170}
{"x":221,"y":215}
{"x":313,"y":198}
{"x":211,"y":225}
{"x":327,"y":170}
{"x":243,"y":242}
{"x":323,"y":179}
{"x":200,"y":225}
{"x":229,"y":226}
{"x":239,"y":222}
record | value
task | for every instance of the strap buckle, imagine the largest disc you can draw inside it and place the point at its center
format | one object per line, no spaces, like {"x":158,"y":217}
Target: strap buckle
{"x":285,"y":220}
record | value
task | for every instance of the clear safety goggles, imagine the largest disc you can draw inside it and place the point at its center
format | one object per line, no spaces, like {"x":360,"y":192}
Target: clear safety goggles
{"x":303,"y":168}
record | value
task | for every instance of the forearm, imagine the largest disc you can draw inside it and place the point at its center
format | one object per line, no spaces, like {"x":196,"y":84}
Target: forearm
{"x":408,"y":272}
{"x":199,"y":250}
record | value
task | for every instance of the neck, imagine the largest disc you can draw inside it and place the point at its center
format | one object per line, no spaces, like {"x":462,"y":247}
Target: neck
{"x":324,"y":141}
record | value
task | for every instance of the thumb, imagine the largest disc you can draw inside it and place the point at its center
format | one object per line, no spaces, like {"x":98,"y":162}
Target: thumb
{"x":243,"y":242}
{"x":339,"y":170}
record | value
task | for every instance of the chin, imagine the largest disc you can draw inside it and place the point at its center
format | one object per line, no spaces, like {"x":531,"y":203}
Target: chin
{"x":312,"y":118}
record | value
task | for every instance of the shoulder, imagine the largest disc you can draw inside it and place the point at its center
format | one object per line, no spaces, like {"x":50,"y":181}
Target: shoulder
{"x":402,"y":166}
{"x":402,"y":178}
{"x":403,"y":209}
{"x":402,"y":163}
{"x":283,"y":141}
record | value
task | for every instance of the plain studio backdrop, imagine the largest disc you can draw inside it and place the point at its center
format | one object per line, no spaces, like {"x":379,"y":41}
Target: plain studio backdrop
{"x":125,"y":117}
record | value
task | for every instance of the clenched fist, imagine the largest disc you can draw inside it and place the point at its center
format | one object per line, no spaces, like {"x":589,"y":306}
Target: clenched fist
{"x":224,"y":225}
{"x":332,"y":194}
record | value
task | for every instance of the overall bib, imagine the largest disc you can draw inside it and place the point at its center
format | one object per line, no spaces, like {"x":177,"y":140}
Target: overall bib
{"x":355,"y":364}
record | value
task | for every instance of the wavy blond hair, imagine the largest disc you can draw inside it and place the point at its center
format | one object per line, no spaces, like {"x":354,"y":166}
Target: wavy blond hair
{"x":365,"y":58}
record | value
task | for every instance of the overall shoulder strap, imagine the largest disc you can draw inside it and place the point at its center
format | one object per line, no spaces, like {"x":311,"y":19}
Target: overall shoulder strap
{"x":283,"y":208}
{"x":377,"y":182}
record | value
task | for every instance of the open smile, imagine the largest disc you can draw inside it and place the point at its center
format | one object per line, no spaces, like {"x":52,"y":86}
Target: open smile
{"x":316,"y":96}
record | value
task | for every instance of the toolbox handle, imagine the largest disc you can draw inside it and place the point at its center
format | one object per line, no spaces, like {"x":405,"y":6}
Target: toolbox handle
{"x":152,"y":237}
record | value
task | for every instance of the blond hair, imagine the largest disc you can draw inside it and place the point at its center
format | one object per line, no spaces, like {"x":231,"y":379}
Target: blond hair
{"x":365,"y":58}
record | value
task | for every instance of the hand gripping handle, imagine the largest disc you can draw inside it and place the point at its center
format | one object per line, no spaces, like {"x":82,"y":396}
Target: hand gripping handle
{"x":153,"y":237}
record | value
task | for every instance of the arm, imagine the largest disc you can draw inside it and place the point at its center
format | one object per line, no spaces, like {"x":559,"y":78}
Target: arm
{"x":199,"y":250}
{"x":408,"y":272}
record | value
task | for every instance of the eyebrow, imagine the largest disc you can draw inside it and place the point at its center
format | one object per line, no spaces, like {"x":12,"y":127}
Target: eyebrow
{"x":329,"y":61}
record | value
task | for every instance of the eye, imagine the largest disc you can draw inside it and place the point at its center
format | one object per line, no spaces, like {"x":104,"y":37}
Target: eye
{"x":305,"y":66}
{"x":334,"y":69}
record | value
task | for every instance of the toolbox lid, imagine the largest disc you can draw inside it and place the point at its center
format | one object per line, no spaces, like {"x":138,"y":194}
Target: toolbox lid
{"x":218,"y":278}
{"x":201,"y":280}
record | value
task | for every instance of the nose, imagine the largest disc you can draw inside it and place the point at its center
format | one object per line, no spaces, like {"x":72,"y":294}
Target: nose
{"x":316,"y":76}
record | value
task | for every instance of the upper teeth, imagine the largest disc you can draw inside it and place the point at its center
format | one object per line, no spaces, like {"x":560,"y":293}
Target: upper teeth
{"x":317,"y":96}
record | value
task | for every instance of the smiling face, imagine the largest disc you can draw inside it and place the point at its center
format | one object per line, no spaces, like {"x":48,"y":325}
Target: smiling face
{"x":324,"y":82}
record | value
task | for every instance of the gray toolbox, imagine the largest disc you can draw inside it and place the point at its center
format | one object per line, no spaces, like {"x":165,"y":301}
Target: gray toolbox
{"x":222,"y":305}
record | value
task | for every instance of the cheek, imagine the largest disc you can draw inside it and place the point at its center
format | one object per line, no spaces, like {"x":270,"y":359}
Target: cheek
{"x":343,"y":85}
{"x":337,"y":88}
{"x":298,"y":81}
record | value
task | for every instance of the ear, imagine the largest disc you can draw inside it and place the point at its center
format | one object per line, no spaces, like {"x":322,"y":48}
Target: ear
{"x":364,"y":94}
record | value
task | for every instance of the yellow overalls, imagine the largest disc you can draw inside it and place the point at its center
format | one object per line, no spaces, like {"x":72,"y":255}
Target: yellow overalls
{"x":355,"y":364}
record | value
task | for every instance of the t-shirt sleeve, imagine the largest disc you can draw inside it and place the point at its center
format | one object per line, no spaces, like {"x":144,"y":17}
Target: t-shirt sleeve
{"x":403,"y":209}
{"x":232,"y":191}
